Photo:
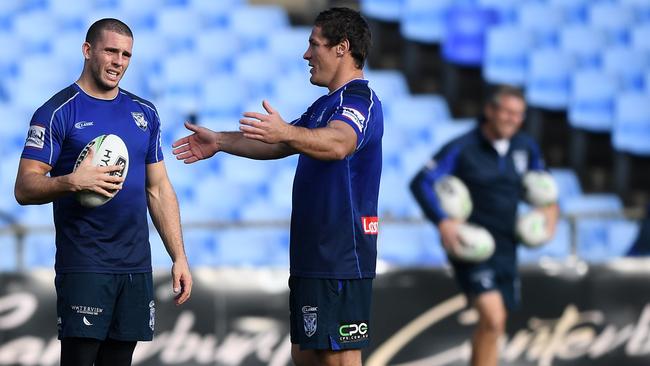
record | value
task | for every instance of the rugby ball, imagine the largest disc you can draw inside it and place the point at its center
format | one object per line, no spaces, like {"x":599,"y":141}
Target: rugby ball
{"x":454,"y":197}
{"x":532,"y":229}
{"x":108,"y":150}
{"x":476,"y":244}
{"x":540,"y":188}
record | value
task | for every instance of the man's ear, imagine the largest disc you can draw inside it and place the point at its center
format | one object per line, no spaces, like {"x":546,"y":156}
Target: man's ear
{"x":85,"y":50}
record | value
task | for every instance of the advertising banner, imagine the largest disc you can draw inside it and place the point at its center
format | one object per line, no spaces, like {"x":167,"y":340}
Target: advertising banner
{"x":240,"y":317}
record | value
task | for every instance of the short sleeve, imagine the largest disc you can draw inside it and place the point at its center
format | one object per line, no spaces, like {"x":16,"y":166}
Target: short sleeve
{"x":44,"y":137}
{"x":154,"y":153}
{"x":354,"y":109}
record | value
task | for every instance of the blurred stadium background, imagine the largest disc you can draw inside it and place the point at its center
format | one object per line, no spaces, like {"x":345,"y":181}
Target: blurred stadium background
{"x":584,"y":66}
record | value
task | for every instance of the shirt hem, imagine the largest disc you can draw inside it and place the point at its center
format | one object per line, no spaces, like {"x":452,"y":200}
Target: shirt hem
{"x":103,"y":270}
{"x":336,"y":276}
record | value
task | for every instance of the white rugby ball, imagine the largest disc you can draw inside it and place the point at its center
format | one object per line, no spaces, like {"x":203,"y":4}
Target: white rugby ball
{"x":476,"y":243}
{"x":532,"y":229}
{"x":454,"y":197}
{"x":108,"y":150}
{"x":540,"y":188}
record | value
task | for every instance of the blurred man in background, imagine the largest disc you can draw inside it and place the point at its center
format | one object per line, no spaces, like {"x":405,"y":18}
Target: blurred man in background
{"x":490,"y":160}
{"x":334,"y":221}
{"x":105,"y":300}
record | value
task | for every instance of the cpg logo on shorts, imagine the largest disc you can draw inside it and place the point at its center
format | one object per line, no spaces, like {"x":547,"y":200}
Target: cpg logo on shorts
{"x":353,"y":331}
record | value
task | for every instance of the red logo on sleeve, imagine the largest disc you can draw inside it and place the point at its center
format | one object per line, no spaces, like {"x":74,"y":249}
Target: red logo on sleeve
{"x":370,"y":225}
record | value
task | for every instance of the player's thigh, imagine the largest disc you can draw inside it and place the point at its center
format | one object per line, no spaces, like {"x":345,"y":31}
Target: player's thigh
{"x":134,"y":318}
{"x":491,"y":309}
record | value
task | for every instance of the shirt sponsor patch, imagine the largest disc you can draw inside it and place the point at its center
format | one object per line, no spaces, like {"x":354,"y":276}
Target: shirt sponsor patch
{"x":370,"y":225}
{"x":36,"y":137}
{"x":355,"y":116}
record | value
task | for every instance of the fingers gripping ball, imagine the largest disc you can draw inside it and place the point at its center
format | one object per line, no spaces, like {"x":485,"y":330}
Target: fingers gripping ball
{"x":532,"y":229}
{"x":108,"y":150}
{"x":540,"y":188}
{"x":454,"y":197}
{"x":476,"y":244}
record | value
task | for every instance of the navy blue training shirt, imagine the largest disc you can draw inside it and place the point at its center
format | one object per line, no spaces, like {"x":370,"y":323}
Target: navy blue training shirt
{"x":494,"y":181}
{"x":334,"y":223}
{"x":114,"y":237}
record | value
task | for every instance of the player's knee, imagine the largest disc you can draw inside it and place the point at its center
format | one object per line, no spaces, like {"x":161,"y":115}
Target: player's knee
{"x":493,"y":323}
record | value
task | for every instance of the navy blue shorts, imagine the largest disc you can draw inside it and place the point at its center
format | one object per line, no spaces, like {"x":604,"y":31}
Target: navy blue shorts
{"x":494,"y":274}
{"x":100,"y":306}
{"x":330,"y":314}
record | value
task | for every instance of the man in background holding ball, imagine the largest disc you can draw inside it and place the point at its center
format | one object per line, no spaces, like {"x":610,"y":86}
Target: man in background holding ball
{"x":491,"y":160}
{"x":105,"y":301}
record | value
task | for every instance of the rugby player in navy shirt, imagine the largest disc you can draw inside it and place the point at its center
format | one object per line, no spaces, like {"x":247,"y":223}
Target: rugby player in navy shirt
{"x":490,"y":160}
{"x":105,"y":300}
{"x":334,"y":221}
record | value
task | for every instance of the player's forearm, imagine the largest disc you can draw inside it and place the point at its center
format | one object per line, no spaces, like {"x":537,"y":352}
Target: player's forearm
{"x":319,"y":143}
{"x":236,"y":144}
{"x":163,"y":207}
{"x":36,"y":189}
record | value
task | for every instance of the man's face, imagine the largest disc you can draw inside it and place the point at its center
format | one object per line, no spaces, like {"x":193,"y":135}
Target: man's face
{"x":505,"y":117}
{"x":109,"y":58}
{"x":322,"y":58}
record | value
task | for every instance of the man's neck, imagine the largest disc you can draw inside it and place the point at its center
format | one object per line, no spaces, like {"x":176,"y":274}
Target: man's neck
{"x":344,"y":78}
{"x":90,"y":87}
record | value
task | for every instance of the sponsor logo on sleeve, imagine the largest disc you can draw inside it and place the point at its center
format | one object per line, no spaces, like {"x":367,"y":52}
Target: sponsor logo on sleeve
{"x":353,"y":331}
{"x":35,"y":137}
{"x":370,"y":225}
{"x":355,"y":116}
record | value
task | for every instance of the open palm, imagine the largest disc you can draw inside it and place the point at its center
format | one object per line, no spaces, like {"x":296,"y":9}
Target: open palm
{"x":200,"y":145}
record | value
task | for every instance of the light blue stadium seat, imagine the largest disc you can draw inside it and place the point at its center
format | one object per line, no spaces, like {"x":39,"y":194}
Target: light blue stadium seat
{"x":244,"y":247}
{"x":253,"y":23}
{"x":218,"y":48}
{"x":416,"y":114}
{"x":69,"y":16}
{"x":548,"y":80}
{"x":257,"y":71}
{"x":465,"y":38}
{"x":8,"y":257}
{"x":410,"y":245}
{"x":612,"y":18}
{"x":506,"y":9}
{"x":181,"y":78}
{"x":295,"y":92}
{"x":568,"y":184}
{"x":178,"y":25}
{"x":385,"y":10}
{"x":593,"y":204}
{"x":214,"y":14}
{"x":584,"y":43}
{"x":591,"y":106}
{"x":14,"y":131}
{"x":601,"y":240}
{"x":640,"y":8}
{"x":558,"y":248}
{"x":506,"y":55}
{"x":263,"y":209}
{"x":288,"y":46}
{"x":139,"y":15}
{"x":542,"y":20}
{"x":575,"y":11}
{"x":387,"y":83}
{"x":9,"y":60}
{"x":200,"y":248}
{"x":34,"y":215}
{"x":628,"y":65}
{"x":222,"y":96}
{"x":395,"y":199}
{"x":423,"y":20}
{"x":631,"y":132}
{"x":641,"y":37}
{"x":40,"y":250}
{"x":34,"y":29}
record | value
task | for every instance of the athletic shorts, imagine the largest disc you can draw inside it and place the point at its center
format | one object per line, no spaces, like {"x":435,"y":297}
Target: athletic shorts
{"x":100,"y":306}
{"x":494,"y":274}
{"x":328,"y":314}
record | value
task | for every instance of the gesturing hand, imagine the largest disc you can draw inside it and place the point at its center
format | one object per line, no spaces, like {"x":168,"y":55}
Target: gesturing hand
{"x":97,"y":179}
{"x":269,"y":128}
{"x":200,"y":145}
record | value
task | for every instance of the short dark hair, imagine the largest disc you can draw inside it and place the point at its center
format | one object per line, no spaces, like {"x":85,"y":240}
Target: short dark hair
{"x":109,"y":24}
{"x":339,"y":24}
{"x":501,"y":90}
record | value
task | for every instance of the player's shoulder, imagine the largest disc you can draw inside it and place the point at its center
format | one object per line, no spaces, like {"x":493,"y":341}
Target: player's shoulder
{"x":524,"y":140}
{"x":358,"y":87}
{"x":58,"y":100}
{"x":137,"y":99}
{"x":469,"y":138}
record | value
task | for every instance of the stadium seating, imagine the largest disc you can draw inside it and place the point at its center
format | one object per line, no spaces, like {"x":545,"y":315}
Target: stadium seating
{"x":542,"y":21}
{"x":631,"y":132}
{"x":385,"y":10}
{"x":466,"y":27}
{"x":506,"y":55}
{"x":423,"y":20}
{"x":548,"y":81}
{"x":591,"y":105}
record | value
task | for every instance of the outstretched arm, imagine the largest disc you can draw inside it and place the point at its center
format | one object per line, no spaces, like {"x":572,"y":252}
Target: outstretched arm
{"x":163,"y":208}
{"x":204,"y":143}
{"x":333,"y":142}
{"x":34,"y":187}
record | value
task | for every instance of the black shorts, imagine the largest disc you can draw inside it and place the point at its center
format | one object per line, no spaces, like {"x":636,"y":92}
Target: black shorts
{"x":497,"y":273}
{"x":100,"y":306}
{"x":330,"y":314}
